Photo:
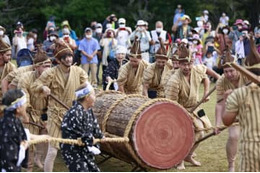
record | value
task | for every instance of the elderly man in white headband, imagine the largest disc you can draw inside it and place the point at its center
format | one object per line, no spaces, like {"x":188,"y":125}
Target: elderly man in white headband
{"x":13,"y":137}
{"x":79,"y":122}
{"x":111,"y":73}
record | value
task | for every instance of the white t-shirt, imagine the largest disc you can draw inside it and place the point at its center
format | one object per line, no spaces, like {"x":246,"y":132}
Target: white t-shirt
{"x":224,"y":20}
{"x":123,"y":37}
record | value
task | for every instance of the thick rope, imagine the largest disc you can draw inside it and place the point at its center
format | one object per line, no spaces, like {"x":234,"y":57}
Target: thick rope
{"x":78,"y":141}
{"x":132,"y":120}
{"x":111,"y":108}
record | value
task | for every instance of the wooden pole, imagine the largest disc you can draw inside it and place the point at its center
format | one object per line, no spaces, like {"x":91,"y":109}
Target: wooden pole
{"x":203,"y":99}
{"x":34,"y":124}
{"x":251,"y":76}
{"x":209,"y":135}
{"x":60,"y":102}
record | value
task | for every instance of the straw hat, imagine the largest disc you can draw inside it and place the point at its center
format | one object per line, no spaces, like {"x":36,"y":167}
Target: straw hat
{"x":135,"y":51}
{"x":4,"y":46}
{"x":161,"y":52}
{"x":61,"y":49}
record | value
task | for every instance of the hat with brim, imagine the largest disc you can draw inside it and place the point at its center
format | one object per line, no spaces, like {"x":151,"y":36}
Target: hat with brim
{"x":175,"y":56}
{"x":140,"y":23}
{"x":4,"y":46}
{"x":184,"y":17}
{"x":121,"y":20}
{"x":41,"y":57}
{"x":246,"y":22}
{"x":195,"y":31}
{"x":183,"y":53}
{"x":88,"y":29}
{"x":2,"y":28}
{"x":227,"y":59}
{"x":61,"y":49}
{"x":110,"y":29}
{"x":196,"y":37}
{"x":239,"y":22}
{"x":161,"y":52}
{"x":54,"y":33}
{"x":65,"y":23}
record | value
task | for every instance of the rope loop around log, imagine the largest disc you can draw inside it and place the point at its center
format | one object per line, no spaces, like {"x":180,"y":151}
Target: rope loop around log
{"x":111,"y":108}
{"x":142,"y":108}
{"x":132,"y":120}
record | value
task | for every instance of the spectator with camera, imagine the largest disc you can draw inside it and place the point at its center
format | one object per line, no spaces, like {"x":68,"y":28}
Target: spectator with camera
{"x":67,"y":39}
{"x":179,"y":12}
{"x":183,"y":31}
{"x":123,"y":33}
{"x":155,"y":35}
{"x":144,"y":38}
{"x":111,"y":19}
{"x":109,"y":43}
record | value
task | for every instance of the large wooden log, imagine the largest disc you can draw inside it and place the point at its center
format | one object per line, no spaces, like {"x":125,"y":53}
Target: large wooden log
{"x":160,"y":131}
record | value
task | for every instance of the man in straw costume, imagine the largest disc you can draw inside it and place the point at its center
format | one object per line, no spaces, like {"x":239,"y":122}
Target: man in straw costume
{"x":11,"y":80}
{"x":60,"y":81}
{"x":131,"y":74}
{"x":155,"y":73}
{"x":183,"y":87}
{"x":244,"y":103}
{"x":175,"y":65}
{"x":79,"y":122}
{"x":230,"y":80}
{"x":5,"y":64}
{"x":35,"y":106}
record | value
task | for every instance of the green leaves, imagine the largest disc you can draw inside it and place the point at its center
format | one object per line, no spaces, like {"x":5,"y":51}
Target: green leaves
{"x":35,"y":14}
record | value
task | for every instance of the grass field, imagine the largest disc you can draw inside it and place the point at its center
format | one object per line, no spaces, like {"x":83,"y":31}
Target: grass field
{"x":211,"y":152}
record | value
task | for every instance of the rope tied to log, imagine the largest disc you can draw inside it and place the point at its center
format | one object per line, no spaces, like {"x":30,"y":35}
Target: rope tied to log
{"x":111,"y":108}
{"x":132,"y":120}
{"x":78,"y":141}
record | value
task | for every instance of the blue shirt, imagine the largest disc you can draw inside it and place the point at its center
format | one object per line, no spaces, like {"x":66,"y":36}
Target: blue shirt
{"x":89,"y":46}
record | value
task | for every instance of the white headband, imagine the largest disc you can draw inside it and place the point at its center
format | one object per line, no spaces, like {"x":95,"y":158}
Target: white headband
{"x":84,"y":91}
{"x":17,"y":103}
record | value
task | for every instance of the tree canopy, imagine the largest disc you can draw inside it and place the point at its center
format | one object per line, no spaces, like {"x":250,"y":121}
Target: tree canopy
{"x":35,"y":14}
